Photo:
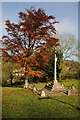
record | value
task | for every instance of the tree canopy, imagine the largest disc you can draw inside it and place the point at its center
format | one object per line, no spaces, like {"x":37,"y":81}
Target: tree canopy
{"x":29,"y":40}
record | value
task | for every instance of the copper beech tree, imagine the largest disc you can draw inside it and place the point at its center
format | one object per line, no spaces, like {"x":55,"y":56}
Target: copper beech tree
{"x":28,"y":41}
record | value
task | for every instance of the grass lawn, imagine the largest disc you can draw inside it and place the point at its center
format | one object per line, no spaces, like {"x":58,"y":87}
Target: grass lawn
{"x":23,"y":103}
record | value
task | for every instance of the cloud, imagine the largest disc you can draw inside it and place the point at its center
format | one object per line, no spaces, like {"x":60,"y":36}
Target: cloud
{"x":66,"y":26}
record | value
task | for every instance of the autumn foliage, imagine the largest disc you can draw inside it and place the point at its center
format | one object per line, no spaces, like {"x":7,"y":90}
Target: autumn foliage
{"x":29,"y":40}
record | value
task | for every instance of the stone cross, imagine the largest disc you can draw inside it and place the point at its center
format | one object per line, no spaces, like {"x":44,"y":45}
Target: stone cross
{"x":55,"y":78}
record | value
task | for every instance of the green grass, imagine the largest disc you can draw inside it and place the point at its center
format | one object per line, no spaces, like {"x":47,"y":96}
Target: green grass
{"x":24,"y":103}
{"x":68,"y":83}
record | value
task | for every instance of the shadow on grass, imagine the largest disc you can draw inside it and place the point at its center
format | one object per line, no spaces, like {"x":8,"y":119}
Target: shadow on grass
{"x":78,"y":108}
{"x":42,"y":98}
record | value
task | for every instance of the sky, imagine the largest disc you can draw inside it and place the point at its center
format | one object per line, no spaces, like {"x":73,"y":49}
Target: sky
{"x":65,"y":12}
{"x":40,"y":0}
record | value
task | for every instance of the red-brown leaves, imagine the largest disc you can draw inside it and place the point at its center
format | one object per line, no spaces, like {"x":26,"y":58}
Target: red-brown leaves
{"x":5,"y":37}
{"x":28,"y":41}
{"x":22,"y":15}
{"x":52,"y":41}
{"x":34,"y":73}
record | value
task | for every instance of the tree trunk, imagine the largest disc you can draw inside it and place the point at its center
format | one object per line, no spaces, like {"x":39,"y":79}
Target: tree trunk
{"x":11,"y":79}
{"x":26,"y":83}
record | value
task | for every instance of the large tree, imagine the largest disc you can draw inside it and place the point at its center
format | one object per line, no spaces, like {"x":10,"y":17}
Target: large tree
{"x":29,"y":40}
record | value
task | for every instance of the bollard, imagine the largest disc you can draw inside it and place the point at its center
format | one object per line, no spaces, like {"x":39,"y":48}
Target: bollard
{"x":34,"y":89}
{"x":43,"y":93}
{"x":68,"y":92}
